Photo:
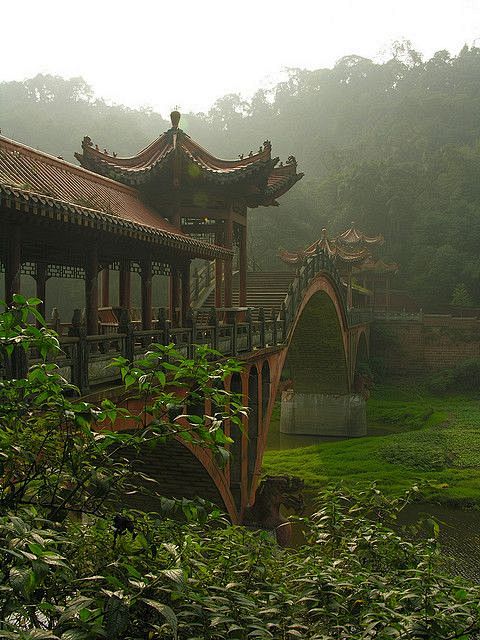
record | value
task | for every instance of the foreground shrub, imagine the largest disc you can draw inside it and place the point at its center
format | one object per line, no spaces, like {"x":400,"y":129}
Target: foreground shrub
{"x":353,"y":578}
{"x":74,"y":567}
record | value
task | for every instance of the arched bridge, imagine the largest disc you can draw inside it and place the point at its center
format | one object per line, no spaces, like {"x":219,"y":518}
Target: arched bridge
{"x":308,"y":352}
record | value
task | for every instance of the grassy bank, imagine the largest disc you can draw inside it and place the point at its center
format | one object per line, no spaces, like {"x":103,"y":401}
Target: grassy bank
{"x":414,"y":437}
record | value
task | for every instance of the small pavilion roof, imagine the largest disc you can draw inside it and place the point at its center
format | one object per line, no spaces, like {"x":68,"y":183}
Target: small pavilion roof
{"x":175,"y":158}
{"x":33,"y":178}
{"x":345,"y":254}
{"x":377,"y":266}
{"x":352,"y":238}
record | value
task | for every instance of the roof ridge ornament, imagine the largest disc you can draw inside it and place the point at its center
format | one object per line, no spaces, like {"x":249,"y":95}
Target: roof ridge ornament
{"x":175,"y":118}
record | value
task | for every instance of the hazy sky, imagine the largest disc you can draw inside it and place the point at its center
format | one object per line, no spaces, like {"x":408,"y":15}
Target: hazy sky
{"x":162,"y":52}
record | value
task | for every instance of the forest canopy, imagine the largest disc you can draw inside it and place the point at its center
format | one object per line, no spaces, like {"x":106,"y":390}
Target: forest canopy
{"x":393,"y":145}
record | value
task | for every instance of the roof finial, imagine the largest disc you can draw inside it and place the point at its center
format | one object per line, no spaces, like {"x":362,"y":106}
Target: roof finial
{"x":175,"y":117}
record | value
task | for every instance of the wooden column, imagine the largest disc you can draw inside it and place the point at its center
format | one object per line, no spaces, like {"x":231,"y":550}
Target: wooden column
{"x":185,"y":291}
{"x":146,"y":276}
{"x":176,"y":217}
{"x":243,"y":267}
{"x":41,"y":285}
{"x":218,"y":282}
{"x":218,"y":272}
{"x":124,"y":285}
{"x":91,"y":289}
{"x":105,"y":287}
{"x":228,"y":265}
{"x":13,"y":263}
{"x":174,"y":294}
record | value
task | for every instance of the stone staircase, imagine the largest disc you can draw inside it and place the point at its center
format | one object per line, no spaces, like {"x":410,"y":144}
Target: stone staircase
{"x":265,"y":289}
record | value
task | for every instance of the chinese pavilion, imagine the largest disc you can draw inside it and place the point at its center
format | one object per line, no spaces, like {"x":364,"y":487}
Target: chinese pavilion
{"x":351,"y":251}
{"x":152,"y":213}
{"x":201,"y":195}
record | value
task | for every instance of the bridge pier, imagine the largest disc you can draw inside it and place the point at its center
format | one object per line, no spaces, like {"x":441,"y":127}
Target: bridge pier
{"x":323,"y":414}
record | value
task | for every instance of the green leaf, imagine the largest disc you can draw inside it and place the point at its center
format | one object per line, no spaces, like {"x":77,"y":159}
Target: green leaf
{"x":75,"y":634}
{"x":23,"y":580}
{"x":128,"y":380}
{"x":165,"y":611}
{"x":116,"y":617}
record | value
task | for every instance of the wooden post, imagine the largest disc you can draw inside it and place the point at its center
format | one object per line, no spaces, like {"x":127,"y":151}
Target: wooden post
{"x":185,"y":291}
{"x":176,"y":214}
{"x":228,"y":265}
{"x":80,"y":352}
{"x":174,"y":294}
{"x":91,"y":290}
{"x":124,"y":285}
{"x":13,"y":263}
{"x":105,"y":287}
{"x":218,"y":272}
{"x":41,"y":286}
{"x":243,"y":267}
{"x":218,"y":282}
{"x":146,"y":294}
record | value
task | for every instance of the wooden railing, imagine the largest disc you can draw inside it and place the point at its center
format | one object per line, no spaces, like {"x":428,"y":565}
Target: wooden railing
{"x":85,"y":359}
{"x":314,"y":265}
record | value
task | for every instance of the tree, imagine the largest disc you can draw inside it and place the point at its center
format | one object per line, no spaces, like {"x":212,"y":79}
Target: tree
{"x":461,"y":296}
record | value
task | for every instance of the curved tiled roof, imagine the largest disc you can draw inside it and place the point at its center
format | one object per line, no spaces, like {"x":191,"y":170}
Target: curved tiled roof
{"x":353,"y":237}
{"x":331,"y":247}
{"x":377,"y":266}
{"x":175,"y":154}
{"x":31,"y":176}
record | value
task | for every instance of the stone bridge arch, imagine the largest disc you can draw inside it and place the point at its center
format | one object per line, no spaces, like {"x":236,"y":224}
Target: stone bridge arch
{"x":317,"y":374}
{"x":314,"y":371}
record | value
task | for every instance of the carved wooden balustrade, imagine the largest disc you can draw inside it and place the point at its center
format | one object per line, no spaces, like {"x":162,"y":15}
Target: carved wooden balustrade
{"x":85,"y":359}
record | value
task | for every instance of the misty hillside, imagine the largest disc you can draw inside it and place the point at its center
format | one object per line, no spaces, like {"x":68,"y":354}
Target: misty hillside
{"x":393,"y":146}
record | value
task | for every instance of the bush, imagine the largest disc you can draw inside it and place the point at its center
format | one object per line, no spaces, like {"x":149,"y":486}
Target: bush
{"x":138,"y":576}
{"x":463,"y":377}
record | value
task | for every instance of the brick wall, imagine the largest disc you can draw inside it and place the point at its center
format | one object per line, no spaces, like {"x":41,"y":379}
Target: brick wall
{"x":434,"y":342}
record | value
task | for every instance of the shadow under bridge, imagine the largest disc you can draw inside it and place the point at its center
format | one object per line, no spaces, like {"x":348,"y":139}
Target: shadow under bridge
{"x":318,"y":373}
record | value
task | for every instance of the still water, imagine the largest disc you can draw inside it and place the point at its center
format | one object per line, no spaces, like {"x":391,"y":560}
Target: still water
{"x":459,"y":536}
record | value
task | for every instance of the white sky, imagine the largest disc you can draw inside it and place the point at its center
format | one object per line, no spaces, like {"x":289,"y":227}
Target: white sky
{"x":163,"y":52}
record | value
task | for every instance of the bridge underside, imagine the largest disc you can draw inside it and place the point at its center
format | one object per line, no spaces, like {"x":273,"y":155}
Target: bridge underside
{"x":318,"y":372}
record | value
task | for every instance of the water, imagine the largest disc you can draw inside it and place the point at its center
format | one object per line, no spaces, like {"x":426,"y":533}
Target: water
{"x":459,"y":536}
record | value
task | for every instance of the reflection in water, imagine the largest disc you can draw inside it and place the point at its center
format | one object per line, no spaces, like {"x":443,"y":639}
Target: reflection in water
{"x":277,"y":440}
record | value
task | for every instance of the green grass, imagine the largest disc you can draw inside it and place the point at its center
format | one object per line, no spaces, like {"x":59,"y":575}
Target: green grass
{"x":415,"y":437}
